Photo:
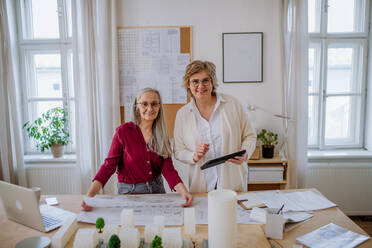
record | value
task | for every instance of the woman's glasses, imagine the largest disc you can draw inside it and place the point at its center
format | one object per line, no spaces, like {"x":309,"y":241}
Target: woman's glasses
{"x":152,"y":104}
{"x":195,"y":82}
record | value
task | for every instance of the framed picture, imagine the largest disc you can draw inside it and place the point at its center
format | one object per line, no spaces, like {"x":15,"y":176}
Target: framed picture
{"x":242,"y":57}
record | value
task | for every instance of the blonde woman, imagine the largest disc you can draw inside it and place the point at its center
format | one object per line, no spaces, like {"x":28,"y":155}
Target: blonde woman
{"x":140,"y":152}
{"x":212,"y":125}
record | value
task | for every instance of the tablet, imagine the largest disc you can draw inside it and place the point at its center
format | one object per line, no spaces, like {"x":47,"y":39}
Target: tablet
{"x":220,"y":160}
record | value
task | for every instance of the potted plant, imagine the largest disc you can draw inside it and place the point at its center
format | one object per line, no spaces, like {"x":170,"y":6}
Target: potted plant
{"x":50,"y":131}
{"x":269,"y":140}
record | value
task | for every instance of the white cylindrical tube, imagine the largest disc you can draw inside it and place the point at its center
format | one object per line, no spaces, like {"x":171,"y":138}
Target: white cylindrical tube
{"x":127,"y":218}
{"x":222,"y":227}
{"x":189,"y":220}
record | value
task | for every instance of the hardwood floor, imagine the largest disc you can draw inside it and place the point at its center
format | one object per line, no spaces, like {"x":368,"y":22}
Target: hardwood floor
{"x":365,"y":222}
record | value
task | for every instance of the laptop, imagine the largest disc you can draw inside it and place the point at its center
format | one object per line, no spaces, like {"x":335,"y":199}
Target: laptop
{"x":22,"y":206}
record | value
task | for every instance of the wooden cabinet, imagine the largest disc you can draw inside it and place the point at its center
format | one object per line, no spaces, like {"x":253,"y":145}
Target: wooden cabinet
{"x":269,"y":185}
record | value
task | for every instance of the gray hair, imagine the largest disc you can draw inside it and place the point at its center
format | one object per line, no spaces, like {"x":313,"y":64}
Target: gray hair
{"x":159,"y":142}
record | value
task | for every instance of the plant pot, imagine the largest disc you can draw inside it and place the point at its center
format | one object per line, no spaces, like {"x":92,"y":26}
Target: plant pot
{"x":268,"y":151}
{"x":57,"y":150}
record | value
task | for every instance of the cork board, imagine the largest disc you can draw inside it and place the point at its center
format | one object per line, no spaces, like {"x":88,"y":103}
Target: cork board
{"x":170,"y":110}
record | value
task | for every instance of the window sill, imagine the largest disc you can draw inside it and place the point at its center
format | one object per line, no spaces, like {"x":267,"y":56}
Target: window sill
{"x":346,"y":155}
{"x":48,"y":159}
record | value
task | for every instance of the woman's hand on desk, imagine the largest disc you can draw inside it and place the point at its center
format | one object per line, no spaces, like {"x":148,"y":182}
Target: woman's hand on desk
{"x":95,"y":187}
{"x":85,"y":207}
{"x":181,"y":189}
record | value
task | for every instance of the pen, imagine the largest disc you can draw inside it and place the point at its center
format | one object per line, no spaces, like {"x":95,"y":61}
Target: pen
{"x":280,"y":209}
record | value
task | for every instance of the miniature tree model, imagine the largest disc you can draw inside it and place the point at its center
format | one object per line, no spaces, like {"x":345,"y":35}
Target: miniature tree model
{"x":114,"y":241}
{"x":156,"y":243}
{"x":100,"y":223}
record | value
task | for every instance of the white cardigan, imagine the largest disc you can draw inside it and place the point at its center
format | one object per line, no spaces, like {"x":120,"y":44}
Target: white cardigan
{"x":237,"y":134}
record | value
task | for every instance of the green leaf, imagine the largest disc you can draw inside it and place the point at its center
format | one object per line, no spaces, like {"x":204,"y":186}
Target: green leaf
{"x":156,"y":242}
{"x":267,"y":138}
{"x":114,"y":241}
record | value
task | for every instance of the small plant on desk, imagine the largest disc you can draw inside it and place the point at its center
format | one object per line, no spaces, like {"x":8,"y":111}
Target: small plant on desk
{"x":100,"y":223}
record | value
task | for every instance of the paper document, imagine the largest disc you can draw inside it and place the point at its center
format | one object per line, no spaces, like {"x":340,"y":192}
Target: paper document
{"x":145,"y":207}
{"x":295,"y":201}
{"x":332,"y":236}
{"x":151,"y":57}
{"x":292,"y":219}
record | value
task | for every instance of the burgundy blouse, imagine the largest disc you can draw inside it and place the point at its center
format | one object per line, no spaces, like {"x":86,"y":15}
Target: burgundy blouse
{"x":133,"y":162}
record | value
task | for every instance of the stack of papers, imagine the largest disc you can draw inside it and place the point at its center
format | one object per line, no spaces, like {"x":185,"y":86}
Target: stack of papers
{"x":296,"y":201}
{"x":332,"y":236}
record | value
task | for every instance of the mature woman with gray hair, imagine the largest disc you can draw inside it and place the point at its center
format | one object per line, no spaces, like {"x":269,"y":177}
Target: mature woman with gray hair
{"x":140,"y":152}
{"x":212,"y":125}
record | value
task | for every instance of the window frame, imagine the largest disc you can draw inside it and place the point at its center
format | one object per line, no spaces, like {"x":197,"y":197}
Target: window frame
{"x":28,"y":47}
{"x":324,"y":39}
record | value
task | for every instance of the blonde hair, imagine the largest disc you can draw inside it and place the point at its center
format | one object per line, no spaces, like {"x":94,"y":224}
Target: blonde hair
{"x":197,"y":66}
{"x":159,"y":142}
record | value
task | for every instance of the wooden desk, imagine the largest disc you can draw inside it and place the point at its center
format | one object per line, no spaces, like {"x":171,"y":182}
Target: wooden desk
{"x":11,"y":232}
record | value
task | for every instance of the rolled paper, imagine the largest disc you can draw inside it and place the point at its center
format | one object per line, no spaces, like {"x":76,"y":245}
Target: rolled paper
{"x":86,"y":238}
{"x":151,"y":230}
{"x":63,"y":235}
{"x":172,"y":237}
{"x":109,"y":230}
{"x":222,"y":227}
{"x":129,"y":238}
{"x":127,"y":218}
{"x":189,"y":220}
{"x":159,"y":219}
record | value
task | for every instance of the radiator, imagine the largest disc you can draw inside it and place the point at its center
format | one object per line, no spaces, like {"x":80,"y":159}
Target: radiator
{"x":349,"y":185}
{"x":54,"y":179}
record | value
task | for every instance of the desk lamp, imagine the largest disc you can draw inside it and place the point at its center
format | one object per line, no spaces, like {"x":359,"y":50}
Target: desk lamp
{"x":282,"y":148}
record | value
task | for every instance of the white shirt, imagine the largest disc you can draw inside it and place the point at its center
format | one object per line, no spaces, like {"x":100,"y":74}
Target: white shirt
{"x":237,"y":134}
{"x":210,"y":133}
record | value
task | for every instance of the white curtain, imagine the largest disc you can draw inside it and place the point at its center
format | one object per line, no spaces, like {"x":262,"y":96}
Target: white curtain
{"x":295,"y":49}
{"x":96,"y":83}
{"x":11,"y":149}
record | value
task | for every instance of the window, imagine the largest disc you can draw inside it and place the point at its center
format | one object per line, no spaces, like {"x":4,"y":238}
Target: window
{"x":46,"y":57}
{"x":338,"y":42}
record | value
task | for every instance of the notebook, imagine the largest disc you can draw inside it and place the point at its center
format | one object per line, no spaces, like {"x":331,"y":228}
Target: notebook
{"x":22,"y":206}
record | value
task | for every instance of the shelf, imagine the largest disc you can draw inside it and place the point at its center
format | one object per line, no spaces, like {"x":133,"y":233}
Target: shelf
{"x":274,"y":160}
{"x":267,"y":182}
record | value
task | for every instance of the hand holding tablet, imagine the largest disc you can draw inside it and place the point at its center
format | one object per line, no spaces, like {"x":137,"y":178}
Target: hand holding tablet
{"x":221,"y":160}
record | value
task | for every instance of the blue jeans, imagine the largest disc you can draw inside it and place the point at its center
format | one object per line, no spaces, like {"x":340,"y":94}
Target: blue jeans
{"x":154,"y":186}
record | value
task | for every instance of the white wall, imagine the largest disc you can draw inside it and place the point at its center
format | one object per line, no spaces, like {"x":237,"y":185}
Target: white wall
{"x":211,"y":18}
